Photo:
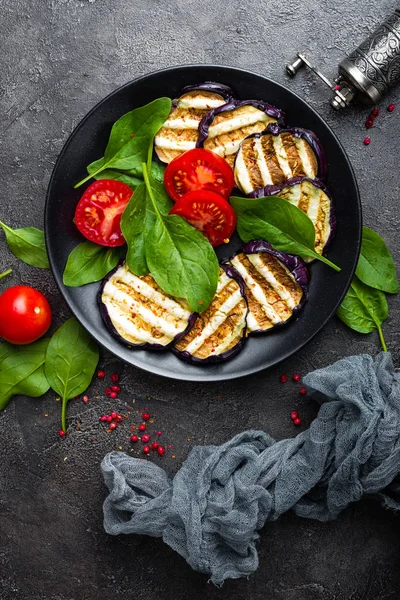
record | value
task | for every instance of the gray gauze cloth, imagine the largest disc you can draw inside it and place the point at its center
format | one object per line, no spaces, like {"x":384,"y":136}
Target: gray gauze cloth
{"x":212,"y":509}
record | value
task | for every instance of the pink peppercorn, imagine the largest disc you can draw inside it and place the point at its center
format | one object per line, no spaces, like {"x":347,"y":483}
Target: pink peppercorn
{"x":61,"y":433}
{"x":113,"y":426}
{"x":114,"y":377}
{"x":146,"y":449}
{"x":101,"y":374}
{"x":283,"y":378}
{"x":109,"y":418}
{"x":159,"y":433}
{"x":134,"y":438}
{"x":297,"y":421}
{"x":367,"y":141}
{"x":293,"y":415}
{"x":113,"y":395}
{"x":85,"y":399}
{"x":146,"y":416}
{"x":303,"y":391}
{"x":107,"y":391}
{"x":391,"y":107}
{"x":103,"y":418}
{"x":154,"y":445}
{"x":115,"y":388}
{"x":296,"y":377}
{"x":142,"y":427}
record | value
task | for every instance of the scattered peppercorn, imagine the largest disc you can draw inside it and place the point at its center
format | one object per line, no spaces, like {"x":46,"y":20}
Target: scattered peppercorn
{"x":154,"y":445}
{"x":391,"y":107}
{"x":142,"y":427}
{"x":296,"y":377}
{"x":113,"y":425}
{"x":61,"y":433}
{"x":115,"y":377}
{"x":101,"y":374}
{"x":107,"y":391}
{"x":283,"y":378}
{"x":297,"y":421}
{"x":114,"y":415}
{"x":159,"y":433}
{"x":303,"y":391}
{"x":161,"y":450}
{"x":146,"y":416}
{"x":146,"y":449}
{"x":145,"y":438}
{"x":374,"y":112}
{"x":134,"y":438}
{"x":118,"y":418}
{"x":367,"y":141}
{"x":103,"y":418}
{"x":293,"y":415}
{"x":115,"y":388}
{"x":85,"y":399}
{"x":113,"y":395}
{"x":369,"y":123}
{"x":109,"y":418}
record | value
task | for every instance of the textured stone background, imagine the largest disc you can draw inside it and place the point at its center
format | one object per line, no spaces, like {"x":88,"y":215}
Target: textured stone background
{"x":57,"y":59}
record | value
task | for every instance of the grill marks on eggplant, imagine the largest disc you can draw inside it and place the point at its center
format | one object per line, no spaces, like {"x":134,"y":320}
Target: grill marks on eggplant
{"x":140,"y":312}
{"x":273,"y":159}
{"x":228,"y":129}
{"x":316,"y":204}
{"x":180,"y":131}
{"x":272,"y":291}
{"x":221,"y":327}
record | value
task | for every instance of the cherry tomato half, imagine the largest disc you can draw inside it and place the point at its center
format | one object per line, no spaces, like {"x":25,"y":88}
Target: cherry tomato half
{"x":198,"y":169}
{"x":25,"y":315}
{"x":209,"y":212}
{"x":99,"y":211}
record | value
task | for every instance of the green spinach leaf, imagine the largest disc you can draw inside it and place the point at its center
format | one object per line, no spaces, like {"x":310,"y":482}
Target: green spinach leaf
{"x":28,"y":245}
{"x":71,"y":360}
{"x":180,"y":258}
{"x":133,"y":229}
{"x":376,"y":266}
{"x":22,"y":371}
{"x":89,"y":262}
{"x":130,"y":137}
{"x":364,"y":309}
{"x":126,"y":177}
{"x":282,"y":224}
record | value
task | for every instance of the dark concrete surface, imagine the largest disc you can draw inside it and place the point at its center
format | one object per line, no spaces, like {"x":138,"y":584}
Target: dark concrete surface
{"x":57,"y":59}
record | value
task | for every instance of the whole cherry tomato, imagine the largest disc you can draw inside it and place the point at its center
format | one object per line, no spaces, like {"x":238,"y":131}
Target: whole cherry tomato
{"x":25,"y":315}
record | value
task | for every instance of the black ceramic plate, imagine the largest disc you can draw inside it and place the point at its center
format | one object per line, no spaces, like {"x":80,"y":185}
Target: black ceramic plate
{"x":327,"y":287}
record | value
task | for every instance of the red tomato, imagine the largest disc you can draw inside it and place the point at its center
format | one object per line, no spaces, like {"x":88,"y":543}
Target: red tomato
{"x":208,"y":212}
{"x":99,"y":211}
{"x":25,"y":315}
{"x":198,"y":169}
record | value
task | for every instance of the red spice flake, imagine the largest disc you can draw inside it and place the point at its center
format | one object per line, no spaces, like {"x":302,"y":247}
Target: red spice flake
{"x":337,"y":88}
{"x":132,"y":135}
{"x":374,"y":113}
{"x":78,"y":426}
{"x":367,"y":141}
{"x":62,"y":433}
{"x":142,"y":427}
{"x":297,"y":421}
{"x":296,"y":377}
{"x":201,"y":301}
{"x":369,"y":123}
{"x":391,"y":107}
{"x":303,"y":391}
{"x":146,"y":416}
{"x":101,"y":374}
{"x":293,"y":415}
{"x":115,"y":377}
{"x":151,"y":421}
{"x":169,"y":447}
{"x":283,"y":378}
{"x":159,"y":433}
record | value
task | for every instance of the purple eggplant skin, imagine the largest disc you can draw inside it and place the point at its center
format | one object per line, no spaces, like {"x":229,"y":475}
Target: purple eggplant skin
{"x":186,"y":356}
{"x":296,"y":266}
{"x":114,"y":332}
{"x":310,"y":137}
{"x":273,"y":190}
{"x":271,"y":111}
{"x":211,"y":86}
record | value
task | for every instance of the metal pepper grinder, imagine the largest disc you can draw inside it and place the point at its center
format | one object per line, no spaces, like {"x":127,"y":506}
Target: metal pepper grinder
{"x":369,"y":72}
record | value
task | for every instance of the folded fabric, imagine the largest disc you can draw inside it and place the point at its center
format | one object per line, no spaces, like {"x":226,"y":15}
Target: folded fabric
{"x":212,"y":510}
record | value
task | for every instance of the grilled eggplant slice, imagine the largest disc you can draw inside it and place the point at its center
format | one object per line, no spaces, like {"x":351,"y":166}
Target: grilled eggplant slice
{"x":276,"y":285}
{"x":222,"y":130}
{"x":314,"y":199}
{"x":139,"y":313}
{"x":276,"y":156}
{"x":219,"y":332}
{"x":180,"y":131}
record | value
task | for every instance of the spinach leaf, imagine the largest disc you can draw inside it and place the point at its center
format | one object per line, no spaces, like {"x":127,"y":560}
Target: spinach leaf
{"x":5,"y":273}
{"x":180,"y":258}
{"x":22,"y":371}
{"x":375,"y":266}
{"x":133,"y":229}
{"x":28,"y":245}
{"x":364,"y":309}
{"x":130,"y":138}
{"x":71,"y":360}
{"x":6,"y":350}
{"x":282,"y":224}
{"x":126,"y":177}
{"x":89,"y":262}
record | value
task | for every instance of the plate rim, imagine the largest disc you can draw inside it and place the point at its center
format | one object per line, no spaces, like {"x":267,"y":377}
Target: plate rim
{"x":203,"y":375}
